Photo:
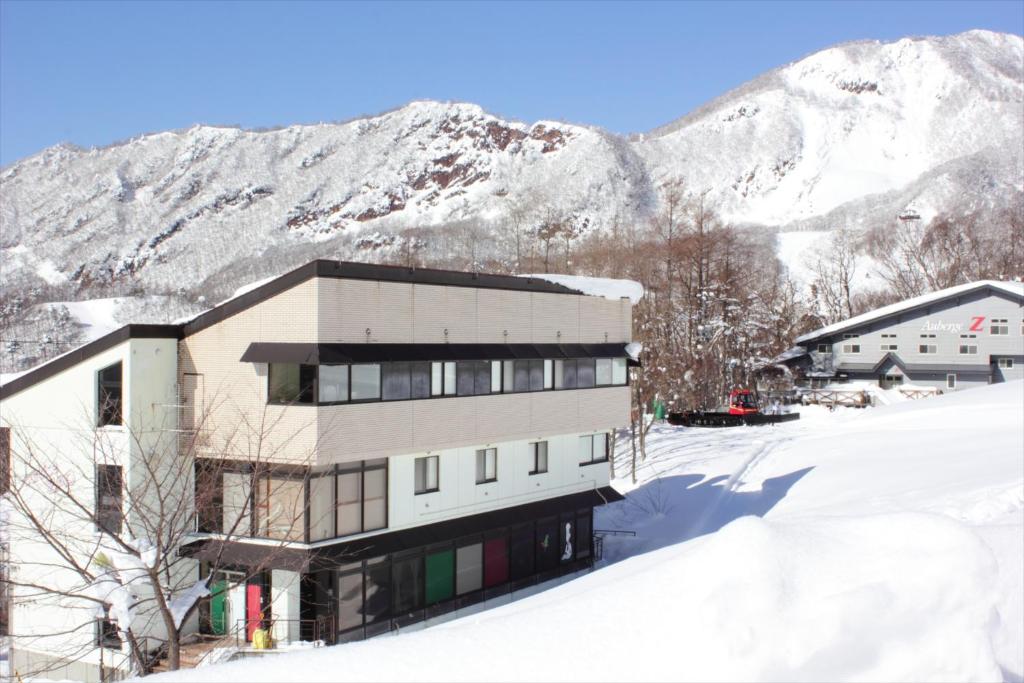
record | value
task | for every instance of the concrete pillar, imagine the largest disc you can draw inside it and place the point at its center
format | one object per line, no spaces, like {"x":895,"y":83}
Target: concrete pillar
{"x":285,"y":608}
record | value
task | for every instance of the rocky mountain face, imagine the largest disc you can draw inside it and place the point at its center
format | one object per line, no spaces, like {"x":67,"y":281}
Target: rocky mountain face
{"x":855,"y":134}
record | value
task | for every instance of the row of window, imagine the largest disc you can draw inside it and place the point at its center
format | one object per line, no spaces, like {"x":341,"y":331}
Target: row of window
{"x":373,"y":593}
{"x":397,"y":381}
{"x":593,"y":448}
{"x":293,"y":506}
{"x":998,"y":327}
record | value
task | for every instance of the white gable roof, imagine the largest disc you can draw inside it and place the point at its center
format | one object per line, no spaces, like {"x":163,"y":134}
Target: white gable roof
{"x":1014,"y":288}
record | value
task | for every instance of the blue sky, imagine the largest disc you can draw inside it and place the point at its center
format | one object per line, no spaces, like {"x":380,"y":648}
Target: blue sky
{"x":91,"y":73}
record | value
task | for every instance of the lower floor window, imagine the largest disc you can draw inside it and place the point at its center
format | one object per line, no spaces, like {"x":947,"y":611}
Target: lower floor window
{"x":1005,"y":363}
{"x":951,"y":381}
{"x":106,"y":631}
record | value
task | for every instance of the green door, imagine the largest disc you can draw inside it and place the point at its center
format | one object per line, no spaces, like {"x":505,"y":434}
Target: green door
{"x":440,"y":576}
{"x":218,"y":607}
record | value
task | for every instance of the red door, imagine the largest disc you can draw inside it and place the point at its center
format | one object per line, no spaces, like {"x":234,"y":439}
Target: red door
{"x":253,"y":608}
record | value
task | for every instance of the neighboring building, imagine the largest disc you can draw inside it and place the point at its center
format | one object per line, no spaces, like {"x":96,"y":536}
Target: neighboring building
{"x":443,"y":437}
{"x":956,"y":338}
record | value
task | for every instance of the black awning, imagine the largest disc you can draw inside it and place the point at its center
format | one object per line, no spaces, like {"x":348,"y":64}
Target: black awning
{"x":248,"y":554}
{"x":315,"y":354}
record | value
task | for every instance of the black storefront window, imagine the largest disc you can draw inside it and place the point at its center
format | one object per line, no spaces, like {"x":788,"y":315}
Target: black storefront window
{"x":547,"y":545}
{"x":378,"y":592}
{"x":521,"y":550}
{"x":584,"y":534}
{"x":407,"y":586}
{"x":567,"y":540}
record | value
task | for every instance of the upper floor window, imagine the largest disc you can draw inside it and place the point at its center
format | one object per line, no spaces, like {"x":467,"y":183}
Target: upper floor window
{"x":333,"y":383}
{"x":109,"y":396}
{"x":927,"y":348}
{"x":824,"y":348}
{"x":1005,"y":363}
{"x":539,"y":457}
{"x":593,"y":448}
{"x":106,"y":631}
{"x":889,"y":343}
{"x":486,"y":465}
{"x":291,"y":383}
{"x":109,"y":492}
{"x":366,"y":382}
{"x":968,"y":349}
{"x":851,"y":336}
{"x":427,"y":470}
{"x":851,"y":348}
{"x":999,"y":326}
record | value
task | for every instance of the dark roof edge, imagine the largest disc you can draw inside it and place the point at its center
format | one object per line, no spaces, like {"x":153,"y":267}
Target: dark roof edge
{"x":86,"y":351}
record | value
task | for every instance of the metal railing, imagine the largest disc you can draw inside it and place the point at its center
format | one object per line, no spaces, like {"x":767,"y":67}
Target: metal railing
{"x":320,"y":630}
{"x":599,"y":535}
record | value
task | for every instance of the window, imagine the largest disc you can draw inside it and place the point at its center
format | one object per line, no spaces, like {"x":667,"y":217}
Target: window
{"x":521,"y":550}
{"x":440,"y":583}
{"x":508,"y":376}
{"x":486,"y":465}
{"x":291,"y":383}
{"x":999,"y":326}
{"x":824,"y":348}
{"x":349,"y":512}
{"x":889,"y":347}
{"x":851,"y":336}
{"x":585,"y":375}
{"x":109,"y":488}
{"x":5,"y":459}
{"x":968,"y":349}
{"x":539,"y":457}
{"x":321,"y":504}
{"x":495,"y":562}
{"x":565,"y":374}
{"x":889,"y":343}
{"x":106,"y":631}
{"x":593,"y":448}
{"x":1005,"y":363}
{"x":280,"y":503}
{"x":927,"y":348}
{"x":851,"y":348}
{"x":536,"y":375}
{"x":469,"y":567}
{"x":427,"y":474}
{"x":361,"y":497}
{"x":436,"y":379}
{"x":549,"y":374}
{"x":421,"y":380}
{"x":495,"y":376}
{"x":407,"y":584}
{"x":375,"y":498}
{"x":209,"y":502}
{"x":521,"y":377}
{"x":108,"y":397}
{"x":619,"y":373}
{"x":333,"y":383}
{"x":604,"y":371}
{"x":365,"y":382}
{"x":395,"y":381}
{"x":465,"y":378}
{"x":951,"y":381}
{"x":449,"y":379}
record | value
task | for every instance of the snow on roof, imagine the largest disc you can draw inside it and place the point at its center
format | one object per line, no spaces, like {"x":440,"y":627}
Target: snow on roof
{"x":1014,"y":288}
{"x":609,"y":288}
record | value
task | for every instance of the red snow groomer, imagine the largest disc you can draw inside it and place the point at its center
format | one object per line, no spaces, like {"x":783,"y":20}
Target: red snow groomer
{"x":743,"y":410}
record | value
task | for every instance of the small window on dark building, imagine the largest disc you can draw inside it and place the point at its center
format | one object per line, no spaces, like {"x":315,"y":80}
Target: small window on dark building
{"x":291,"y":383}
{"x":109,"y":485}
{"x":106,"y":631}
{"x":109,"y":396}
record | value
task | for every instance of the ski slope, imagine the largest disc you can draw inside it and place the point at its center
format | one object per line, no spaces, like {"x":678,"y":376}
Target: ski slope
{"x":875,"y":544}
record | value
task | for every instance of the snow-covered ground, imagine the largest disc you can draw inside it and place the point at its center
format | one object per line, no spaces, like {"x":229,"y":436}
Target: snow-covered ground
{"x":876,"y":544}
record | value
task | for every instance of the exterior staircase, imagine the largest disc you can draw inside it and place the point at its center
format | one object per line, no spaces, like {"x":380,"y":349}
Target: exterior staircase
{"x":193,"y":652}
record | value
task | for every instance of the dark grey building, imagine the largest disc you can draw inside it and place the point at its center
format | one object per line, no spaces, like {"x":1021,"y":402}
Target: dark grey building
{"x":956,"y":338}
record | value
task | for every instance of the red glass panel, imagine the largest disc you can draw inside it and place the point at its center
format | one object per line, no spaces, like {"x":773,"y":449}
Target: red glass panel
{"x":495,"y":562}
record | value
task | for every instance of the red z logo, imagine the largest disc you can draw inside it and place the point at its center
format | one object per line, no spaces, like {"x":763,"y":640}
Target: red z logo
{"x":976,"y":322}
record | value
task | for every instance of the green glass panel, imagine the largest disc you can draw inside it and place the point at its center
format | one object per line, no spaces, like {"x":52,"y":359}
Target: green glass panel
{"x":218,"y":607}
{"x":440,"y":576}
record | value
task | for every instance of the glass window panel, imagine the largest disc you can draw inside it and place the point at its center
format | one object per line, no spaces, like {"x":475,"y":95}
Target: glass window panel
{"x":585,"y":373}
{"x":407,"y":585}
{"x":495,"y":562}
{"x":521,"y":375}
{"x":536,"y":375}
{"x":378,"y":593}
{"x":321,"y":507}
{"x":449,"y":379}
{"x":466,"y":377}
{"x":495,"y":376}
{"x":567,"y":540}
{"x":604,"y":371}
{"x":548,"y":374}
{"x":508,"y":368}
{"x":568,"y":374}
{"x":350,"y":495}
{"x":284,"y":382}
{"x":350,"y":601}
{"x":559,"y":374}
{"x":109,"y":397}
{"x":521,"y":550}
{"x":237,"y":500}
{"x":583,"y":536}
{"x":427,"y":473}
{"x":333,"y":383}
{"x":421,"y":380}
{"x":547,"y":545}
{"x":600,"y":447}
{"x":618,"y":370}
{"x":365,"y":382}
{"x":436,"y":379}
{"x":586,"y":449}
{"x":483,"y":376}
{"x":540,"y":457}
{"x":396,"y":381}
{"x":279,"y":506}
{"x":469,"y":568}
{"x":375,"y":502}
{"x":486,"y":465}
{"x":440,"y":584}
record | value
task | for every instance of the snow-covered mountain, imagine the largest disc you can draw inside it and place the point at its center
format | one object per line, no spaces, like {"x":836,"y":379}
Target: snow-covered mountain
{"x":854,"y":134}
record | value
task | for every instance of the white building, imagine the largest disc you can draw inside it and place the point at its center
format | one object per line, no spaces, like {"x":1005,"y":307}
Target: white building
{"x":373,"y":447}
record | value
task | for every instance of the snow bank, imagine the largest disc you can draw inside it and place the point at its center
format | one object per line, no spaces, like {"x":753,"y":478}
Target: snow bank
{"x":873,"y":544}
{"x":608,"y":288}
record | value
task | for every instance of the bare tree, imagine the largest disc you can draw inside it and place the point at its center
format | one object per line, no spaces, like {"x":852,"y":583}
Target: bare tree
{"x":834,"y":270}
{"x":93,"y":536}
